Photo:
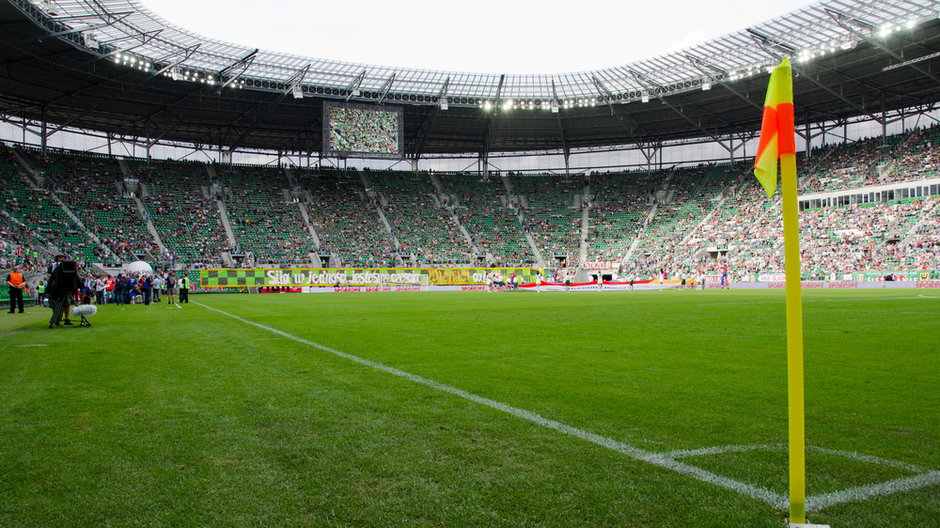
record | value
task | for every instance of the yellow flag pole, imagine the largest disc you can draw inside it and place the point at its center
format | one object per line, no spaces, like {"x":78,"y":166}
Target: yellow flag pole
{"x":797,"y":431}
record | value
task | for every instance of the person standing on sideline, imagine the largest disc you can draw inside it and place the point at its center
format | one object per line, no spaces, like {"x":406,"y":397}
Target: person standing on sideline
{"x":157,"y":285}
{"x":184,"y":289}
{"x":146,"y":287}
{"x":170,"y":289}
{"x":17,"y":284}
{"x":120,"y":284}
{"x":100,"y":285}
{"x":40,"y":292}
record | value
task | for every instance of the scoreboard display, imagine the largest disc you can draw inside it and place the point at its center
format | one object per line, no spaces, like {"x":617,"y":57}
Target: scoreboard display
{"x":362,"y":130}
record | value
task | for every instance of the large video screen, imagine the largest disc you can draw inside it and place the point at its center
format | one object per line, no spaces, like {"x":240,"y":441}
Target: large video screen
{"x":362,"y":130}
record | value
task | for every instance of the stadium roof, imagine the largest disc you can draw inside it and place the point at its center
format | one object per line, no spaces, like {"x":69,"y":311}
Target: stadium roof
{"x":115,"y":66}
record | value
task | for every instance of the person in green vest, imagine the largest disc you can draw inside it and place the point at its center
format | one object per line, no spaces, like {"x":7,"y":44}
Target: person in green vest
{"x":184,"y":289}
{"x":40,"y":292}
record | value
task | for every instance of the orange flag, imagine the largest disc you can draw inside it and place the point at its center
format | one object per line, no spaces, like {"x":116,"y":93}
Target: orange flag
{"x":777,"y":133}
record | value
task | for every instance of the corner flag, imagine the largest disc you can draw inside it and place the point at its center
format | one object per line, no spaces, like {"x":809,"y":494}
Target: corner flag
{"x":778,"y":141}
{"x":777,"y":134}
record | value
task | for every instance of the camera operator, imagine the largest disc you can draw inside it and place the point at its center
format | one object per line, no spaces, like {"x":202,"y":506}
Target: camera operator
{"x":63,"y":282}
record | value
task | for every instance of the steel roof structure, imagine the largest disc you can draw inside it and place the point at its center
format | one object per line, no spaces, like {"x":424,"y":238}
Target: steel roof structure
{"x":115,"y":66}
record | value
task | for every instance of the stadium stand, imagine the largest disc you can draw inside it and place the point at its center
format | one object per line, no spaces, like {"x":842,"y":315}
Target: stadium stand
{"x":619,"y":206}
{"x":187,"y":218}
{"x":686,"y":221}
{"x":38,"y":210}
{"x":346,"y":219}
{"x":486,"y":211}
{"x":423,"y":227}
{"x":266,"y":222}
{"x":92,"y":188}
{"x":552,"y":211}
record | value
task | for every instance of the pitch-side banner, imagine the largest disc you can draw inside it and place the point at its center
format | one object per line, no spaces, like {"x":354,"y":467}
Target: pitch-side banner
{"x":299,"y":277}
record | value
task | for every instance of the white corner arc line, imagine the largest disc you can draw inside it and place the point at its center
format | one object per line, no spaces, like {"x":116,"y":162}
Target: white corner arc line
{"x":897,"y":464}
{"x":825,"y":500}
{"x":720,"y":450}
{"x":776,"y":500}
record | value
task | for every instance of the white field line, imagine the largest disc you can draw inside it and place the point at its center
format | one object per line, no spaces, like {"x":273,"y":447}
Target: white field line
{"x":663,"y":460}
{"x":871,"y":459}
{"x":720,"y":450}
{"x":776,"y":500}
{"x":860,"y":493}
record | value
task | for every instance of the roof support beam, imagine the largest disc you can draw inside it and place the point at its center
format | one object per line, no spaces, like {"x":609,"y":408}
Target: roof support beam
{"x":145,"y":37}
{"x":386,"y":87}
{"x":442,"y":95}
{"x":186,"y":52}
{"x":423,"y":131}
{"x":845,"y":21}
{"x":296,"y":80}
{"x":54,"y":34}
{"x":237,"y":68}
{"x":774,"y":49}
{"x":353,"y":89}
{"x":654,"y":88}
{"x":602,"y":90}
{"x":485,"y":152}
{"x":718,"y":75}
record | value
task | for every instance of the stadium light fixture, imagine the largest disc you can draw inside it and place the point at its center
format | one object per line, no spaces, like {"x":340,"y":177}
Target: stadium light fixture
{"x":554,"y":107}
{"x":706,"y":85}
{"x":507,"y":105}
{"x":487,"y":106}
{"x":911,"y":23}
{"x":90,"y":41}
{"x":444,"y":103}
{"x":645,"y":97}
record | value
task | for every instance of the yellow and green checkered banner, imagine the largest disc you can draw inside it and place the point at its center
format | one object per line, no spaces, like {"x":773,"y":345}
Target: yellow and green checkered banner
{"x":295,"y":277}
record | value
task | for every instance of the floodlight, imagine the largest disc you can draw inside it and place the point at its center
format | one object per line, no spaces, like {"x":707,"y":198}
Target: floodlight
{"x":487,"y":106}
{"x":444,"y":103}
{"x":507,"y":105}
{"x":554,"y":106}
{"x":90,"y":41}
{"x":296,"y":91}
{"x":707,"y":85}
{"x":644,"y":97}
{"x":911,"y":23}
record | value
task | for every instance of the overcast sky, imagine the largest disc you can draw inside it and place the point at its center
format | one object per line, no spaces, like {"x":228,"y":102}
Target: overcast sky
{"x":484,"y":36}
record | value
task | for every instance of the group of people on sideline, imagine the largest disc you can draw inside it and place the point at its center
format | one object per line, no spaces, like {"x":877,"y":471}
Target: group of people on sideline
{"x":62,"y":286}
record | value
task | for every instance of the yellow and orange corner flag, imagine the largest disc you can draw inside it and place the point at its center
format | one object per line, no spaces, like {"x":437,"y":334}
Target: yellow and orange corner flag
{"x":778,"y":141}
{"x":777,"y":133}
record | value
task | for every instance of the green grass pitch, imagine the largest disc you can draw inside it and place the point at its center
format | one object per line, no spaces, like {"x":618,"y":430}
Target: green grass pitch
{"x":186,"y":417}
